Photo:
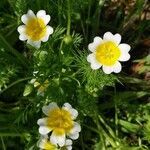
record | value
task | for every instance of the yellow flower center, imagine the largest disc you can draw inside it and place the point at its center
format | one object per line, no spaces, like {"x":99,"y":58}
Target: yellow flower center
{"x":49,"y":146}
{"x":107,"y":53}
{"x":42,"y":87}
{"x":35,"y":29}
{"x":60,"y":121}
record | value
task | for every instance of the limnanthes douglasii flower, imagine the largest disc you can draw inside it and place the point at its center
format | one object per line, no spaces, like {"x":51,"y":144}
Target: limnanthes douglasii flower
{"x":108,"y":52}
{"x":60,"y":122}
{"x":35,"y":28}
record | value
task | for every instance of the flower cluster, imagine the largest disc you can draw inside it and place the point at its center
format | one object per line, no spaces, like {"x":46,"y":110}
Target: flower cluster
{"x":106,"y":53}
{"x":45,"y":144}
{"x":60,"y":124}
{"x":59,"y":128}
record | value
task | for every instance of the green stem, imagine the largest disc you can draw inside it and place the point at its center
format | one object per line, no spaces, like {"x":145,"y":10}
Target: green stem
{"x":14,"y":83}
{"x":116,"y":113}
{"x":88,"y":18}
{"x":3,"y":144}
{"x":4,"y":44}
{"x":102,"y":131}
{"x":110,"y":140}
{"x":60,"y":50}
{"x":91,"y":128}
{"x":82,"y":143}
{"x":10,"y":134}
{"x":59,"y":10}
{"x":107,"y":127}
{"x":69,"y":17}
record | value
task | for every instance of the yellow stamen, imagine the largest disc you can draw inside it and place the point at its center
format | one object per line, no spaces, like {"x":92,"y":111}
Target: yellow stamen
{"x":35,"y":28}
{"x":60,"y":121}
{"x":43,"y":86}
{"x":49,"y":146}
{"x":107,"y":53}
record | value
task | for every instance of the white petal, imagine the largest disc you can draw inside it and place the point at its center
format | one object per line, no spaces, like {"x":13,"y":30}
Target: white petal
{"x":107,"y":69}
{"x":51,"y":106}
{"x":21,"y":29}
{"x":76,"y":128}
{"x":44,"y":130}
{"x":22,"y":37}
{"x":42,"y":122}
{"x":94,"y":63}
{"x":74,"y":133}
{"x":90,"y":57}
{"x":67,"y":105}
{"x":45,"y":38}
{"x":117,"y":67}
{"x":92,"y":46}
{"x":117,"y":38}
{"x":42,"y":14}
{"x":24,"y":19}
{"x":32,"y":81}
{"x":49,"y":30}
{"x":35,"y":44}
{"x":73,"y":112}
{"x":108,"y":36}
{"x":41,"y":143}
{"x":46,"y":19}
{"x":74,"y":136}
{"x":124,"y":48}
{"x":68,"y":142}
{"x":69,"y":147}
{"x":30,"y":14}
{"x":60,"y":140}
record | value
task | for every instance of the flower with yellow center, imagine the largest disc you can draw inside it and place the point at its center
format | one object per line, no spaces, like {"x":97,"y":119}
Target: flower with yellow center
{"x":59,"y":121}
{"x":35,"y":29}
{"x":107,"y":53}
{"x":41,"y":87}
{"x":45,"y":144}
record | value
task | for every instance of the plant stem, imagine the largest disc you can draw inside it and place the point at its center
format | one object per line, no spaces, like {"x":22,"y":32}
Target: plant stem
{"x":4,"y":44}
{"x":60,"y":50}
{"x":14,"y":83}
{"x":10,"y":135}
{"x":69,"y":17}
{"x":116,"y":113}
{"x":82,"y":143}
{"x":91,"y":128}
{"x":107,"y":127}
{"x":102,"y":131}
{"x":59,"y":10}
{"x":3,"y":144}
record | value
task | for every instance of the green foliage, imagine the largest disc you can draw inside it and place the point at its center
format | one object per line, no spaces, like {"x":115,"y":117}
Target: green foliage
{"x":114,"y":110}
{"x":94,"y":80}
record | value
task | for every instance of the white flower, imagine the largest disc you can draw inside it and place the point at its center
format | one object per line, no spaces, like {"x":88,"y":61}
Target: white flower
{"x":68,"y":144}
{"x":59,"y":121}
{"x":45,"y":144}
{"x":41,"y":87}
{"x":35,"y":29}
{"x":107,"y":53}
